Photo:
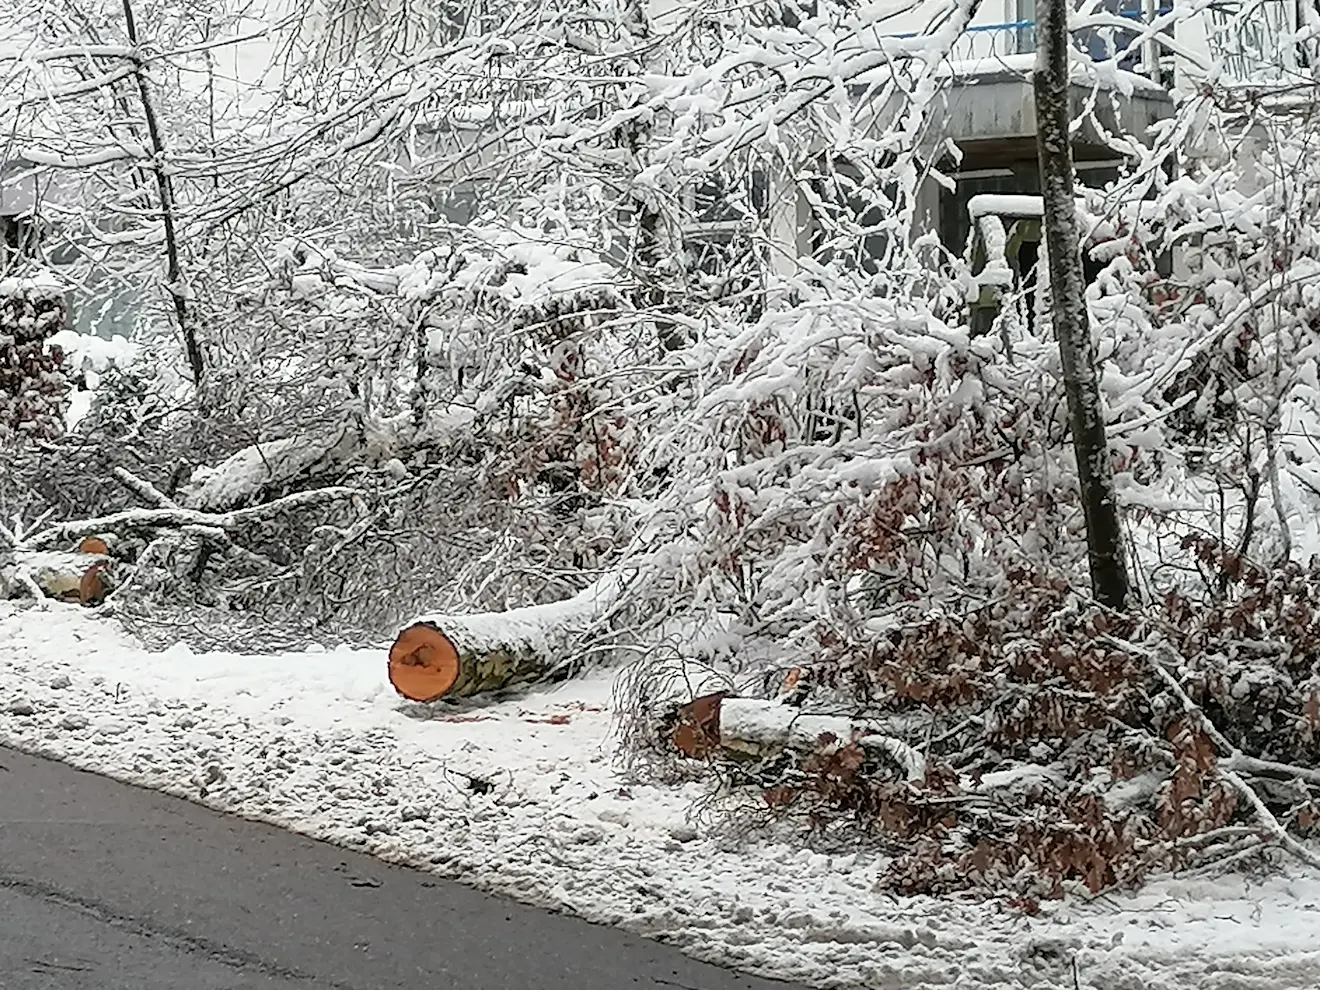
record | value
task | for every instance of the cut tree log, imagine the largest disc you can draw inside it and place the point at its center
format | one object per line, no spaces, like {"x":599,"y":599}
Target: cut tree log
{"x":456,"y":656}
{"x":58,"y":574}
{"x":751,"y":728}
{"x":661,"y":691}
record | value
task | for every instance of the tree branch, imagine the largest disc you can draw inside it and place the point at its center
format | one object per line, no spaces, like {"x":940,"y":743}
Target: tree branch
{"x":144,"y":490}
{"x":1233,"y":758}
{"x":176,"y":518}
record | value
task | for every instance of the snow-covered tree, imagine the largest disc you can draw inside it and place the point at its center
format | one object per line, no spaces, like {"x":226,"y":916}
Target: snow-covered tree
{"x":493,"y":302}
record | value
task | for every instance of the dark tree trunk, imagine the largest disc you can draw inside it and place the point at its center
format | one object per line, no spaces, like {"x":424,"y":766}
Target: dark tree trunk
{"x":1072,"y":328}
{"x":165,"y":187}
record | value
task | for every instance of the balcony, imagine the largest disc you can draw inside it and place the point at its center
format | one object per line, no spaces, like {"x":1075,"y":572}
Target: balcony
{"x":989,"y":110}
{"x":1252,"y":45}
{"x":998,"y":42}
{"x":1256,"y":46}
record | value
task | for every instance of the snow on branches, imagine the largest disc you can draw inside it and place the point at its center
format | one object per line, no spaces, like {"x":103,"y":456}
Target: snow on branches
{"x":631,"y":359}
{"x":890,"y":500}
{"x":33,"y":387}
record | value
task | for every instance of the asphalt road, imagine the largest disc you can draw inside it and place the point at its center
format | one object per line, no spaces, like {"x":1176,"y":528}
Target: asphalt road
{"x":108,"y":887}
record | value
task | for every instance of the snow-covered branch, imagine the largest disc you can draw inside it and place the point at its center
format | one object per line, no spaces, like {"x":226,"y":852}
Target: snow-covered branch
{"x":174,"y":518}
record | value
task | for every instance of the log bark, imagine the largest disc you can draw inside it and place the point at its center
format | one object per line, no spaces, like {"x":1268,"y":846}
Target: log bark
{"x":456,"y":656}
{"x":752,"y":728}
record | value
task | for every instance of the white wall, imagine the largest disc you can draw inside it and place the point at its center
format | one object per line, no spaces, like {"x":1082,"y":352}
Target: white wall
{"x":1254,"y":50}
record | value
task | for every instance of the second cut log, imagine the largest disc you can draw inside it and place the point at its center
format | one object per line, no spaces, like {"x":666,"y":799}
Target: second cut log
{"x":751,"y":728}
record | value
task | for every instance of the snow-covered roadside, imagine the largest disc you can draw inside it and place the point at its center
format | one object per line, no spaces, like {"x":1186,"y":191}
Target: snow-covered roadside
{"x":319,"y":743}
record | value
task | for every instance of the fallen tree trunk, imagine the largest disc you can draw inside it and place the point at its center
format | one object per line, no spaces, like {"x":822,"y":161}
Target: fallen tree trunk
{"x":139,"y":520}
{"x":455,"y":656}
{"x":662,"y":693}
{"x":255,"y":474}
{"x":752,"y":728}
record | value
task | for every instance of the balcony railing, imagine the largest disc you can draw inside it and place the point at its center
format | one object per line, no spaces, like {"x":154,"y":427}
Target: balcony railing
{"x":1254,"y":45}
{"x":1249,"y":49}
{"x":993,"y":41}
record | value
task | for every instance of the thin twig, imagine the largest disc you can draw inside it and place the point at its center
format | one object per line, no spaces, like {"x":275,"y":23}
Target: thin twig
{"x":165,"y":186}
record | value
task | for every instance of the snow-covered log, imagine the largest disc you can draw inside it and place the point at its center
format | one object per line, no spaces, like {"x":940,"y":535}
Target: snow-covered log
{"x":65,"y":575}
{"x":661,"y":693}
{"x":269,"y":469}
{"x":454,"y":656}
{"x":752,"y":728}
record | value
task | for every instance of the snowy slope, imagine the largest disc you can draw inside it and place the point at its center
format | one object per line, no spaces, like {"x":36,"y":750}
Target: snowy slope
{"x":318,"y":742}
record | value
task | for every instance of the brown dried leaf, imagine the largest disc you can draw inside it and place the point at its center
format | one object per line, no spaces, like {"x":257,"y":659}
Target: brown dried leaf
{"x":1311,"y":710}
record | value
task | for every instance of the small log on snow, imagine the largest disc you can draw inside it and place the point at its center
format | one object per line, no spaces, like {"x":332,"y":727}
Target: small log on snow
{"x":58,"y":574}
{"x":751,"y":728}
{"x":455,"y":656}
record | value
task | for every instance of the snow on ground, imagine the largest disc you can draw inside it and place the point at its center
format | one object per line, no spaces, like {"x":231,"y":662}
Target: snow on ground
{"x":319,"y":743}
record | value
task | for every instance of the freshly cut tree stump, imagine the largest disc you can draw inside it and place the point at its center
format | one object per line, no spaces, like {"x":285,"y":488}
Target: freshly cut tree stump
{"x":93,"y":545}
{"x":456,"y":656}
{"x":92,"y":588}
{"x":424,"y":663}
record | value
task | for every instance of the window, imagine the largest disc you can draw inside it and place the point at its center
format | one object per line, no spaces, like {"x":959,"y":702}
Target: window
{"x":851,"y":217}
{"x":724,"y":212}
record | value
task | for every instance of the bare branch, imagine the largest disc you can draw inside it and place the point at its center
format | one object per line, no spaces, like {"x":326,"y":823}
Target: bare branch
{"x":144,"y":490}
{"x":165,"y":185}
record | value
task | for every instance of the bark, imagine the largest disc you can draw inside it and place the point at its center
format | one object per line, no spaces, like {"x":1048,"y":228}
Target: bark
{"x":456,"y":656}
{"x":650,"y":223}
{"x":1109,"y":578}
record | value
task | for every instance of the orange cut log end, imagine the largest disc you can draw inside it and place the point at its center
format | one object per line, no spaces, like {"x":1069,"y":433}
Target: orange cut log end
{"x":93,"y":544}
{"x":91,"y":589}
{"x":423,"y":663}
{"x":697,"y":732}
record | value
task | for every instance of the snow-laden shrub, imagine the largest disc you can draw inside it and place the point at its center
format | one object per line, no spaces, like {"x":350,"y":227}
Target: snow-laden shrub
{"x":33,"y":386}
{"x":892,"y":502}
{"x":844,"y":456}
